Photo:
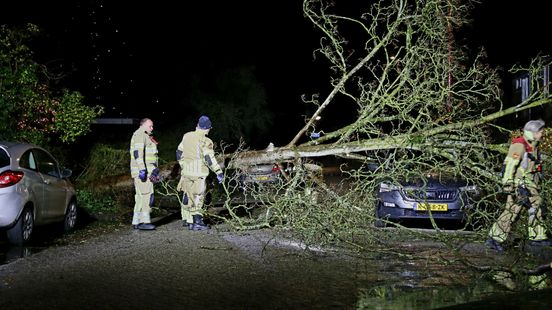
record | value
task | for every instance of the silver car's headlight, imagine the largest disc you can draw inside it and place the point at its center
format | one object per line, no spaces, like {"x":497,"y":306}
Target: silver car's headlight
{"x":384,"y":187}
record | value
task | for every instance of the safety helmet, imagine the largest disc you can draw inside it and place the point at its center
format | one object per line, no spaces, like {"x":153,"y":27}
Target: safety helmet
{"x":532,"y":127}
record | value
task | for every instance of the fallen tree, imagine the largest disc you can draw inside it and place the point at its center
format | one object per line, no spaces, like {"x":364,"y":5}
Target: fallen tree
{"x":422,"y":103}
{"x":417,"y":141}
{"x":414,"y":89}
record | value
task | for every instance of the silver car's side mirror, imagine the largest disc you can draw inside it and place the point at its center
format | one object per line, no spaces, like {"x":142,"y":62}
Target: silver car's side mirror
{"x":65,"y":173}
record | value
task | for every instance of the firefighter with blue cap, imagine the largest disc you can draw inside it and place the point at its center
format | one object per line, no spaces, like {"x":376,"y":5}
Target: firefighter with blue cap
{"x":143,"y":166}
{"x":196,"y":157}
{"x":520,"y":179}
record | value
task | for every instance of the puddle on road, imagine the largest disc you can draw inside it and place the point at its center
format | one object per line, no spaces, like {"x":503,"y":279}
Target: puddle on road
{"x":397,"y":297}
{"x":418,"y":283}
{"x":9,"y":253}
{"x":406,"y":286}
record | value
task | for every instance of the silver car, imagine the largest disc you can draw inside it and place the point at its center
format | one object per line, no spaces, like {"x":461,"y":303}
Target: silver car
{"x":33,"y":191}
{"x":268,"y":173}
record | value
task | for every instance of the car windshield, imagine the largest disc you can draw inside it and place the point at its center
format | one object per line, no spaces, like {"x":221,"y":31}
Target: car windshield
{"x":431,"y":181}
{"x":4,"y":158}
{"x":429,"y":178}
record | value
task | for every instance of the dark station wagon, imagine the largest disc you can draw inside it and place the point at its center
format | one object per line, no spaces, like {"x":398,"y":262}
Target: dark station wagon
{"x":435,"y":198}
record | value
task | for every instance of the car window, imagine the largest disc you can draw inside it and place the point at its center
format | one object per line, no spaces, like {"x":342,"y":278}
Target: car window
{"x":27,"y":160}
{"x":4,"y":158}
{"x":46,"y":163}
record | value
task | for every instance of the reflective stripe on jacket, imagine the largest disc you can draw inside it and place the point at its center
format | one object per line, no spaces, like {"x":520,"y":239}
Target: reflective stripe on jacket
{"x":143,"y":153}
{"x":519,"y":167}
{"x":198,"y":155}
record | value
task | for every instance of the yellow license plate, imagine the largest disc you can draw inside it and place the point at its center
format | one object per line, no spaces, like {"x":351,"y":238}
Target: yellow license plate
{"x":262,"y":177}
{"x":432,"y":207}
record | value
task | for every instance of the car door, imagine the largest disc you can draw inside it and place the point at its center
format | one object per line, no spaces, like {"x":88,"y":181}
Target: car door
{"x":55,"y":188}
{"x":33,"y":183}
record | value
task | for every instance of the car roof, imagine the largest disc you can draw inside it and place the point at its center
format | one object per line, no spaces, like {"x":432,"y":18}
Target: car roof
{"x":8,"y":144}
{"x":17,"y":148}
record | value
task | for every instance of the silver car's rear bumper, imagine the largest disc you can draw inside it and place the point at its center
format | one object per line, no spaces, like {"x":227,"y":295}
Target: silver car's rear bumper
{"x":11,"y":205}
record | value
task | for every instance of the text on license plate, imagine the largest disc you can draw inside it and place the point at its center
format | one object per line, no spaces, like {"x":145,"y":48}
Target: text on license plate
{"x":432,"y":207}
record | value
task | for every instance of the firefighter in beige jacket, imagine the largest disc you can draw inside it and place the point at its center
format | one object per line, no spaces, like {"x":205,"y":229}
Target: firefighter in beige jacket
{"x":196,"y":157}
{"x":522,"y":173}
{"x":143,"y":165}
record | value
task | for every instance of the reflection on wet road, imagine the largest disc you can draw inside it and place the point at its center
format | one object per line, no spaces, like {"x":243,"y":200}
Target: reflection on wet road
{"x":9,"y":253}
{"x":43,"y":237}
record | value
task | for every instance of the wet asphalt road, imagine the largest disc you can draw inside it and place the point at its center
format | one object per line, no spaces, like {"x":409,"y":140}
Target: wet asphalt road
{"x":173,"y":268}
{"x":116,"y":267}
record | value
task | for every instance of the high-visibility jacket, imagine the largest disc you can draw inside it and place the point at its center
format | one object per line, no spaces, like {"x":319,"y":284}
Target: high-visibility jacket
{"x":521,"y":163}
{"x":143,"y":153}
{"x":198,"y":155}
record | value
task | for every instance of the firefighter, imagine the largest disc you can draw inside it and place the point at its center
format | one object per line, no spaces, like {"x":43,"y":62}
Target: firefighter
{"x":143,"y":165}
{"x":196,"y":156}
{"x":520,"y":180}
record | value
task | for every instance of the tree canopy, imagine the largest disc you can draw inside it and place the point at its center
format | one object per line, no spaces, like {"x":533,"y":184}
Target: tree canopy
{"x":31,"y":109}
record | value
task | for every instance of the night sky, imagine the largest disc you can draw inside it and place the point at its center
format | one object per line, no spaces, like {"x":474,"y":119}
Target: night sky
{"x":139,"y":52}
{"x":123,"y":56}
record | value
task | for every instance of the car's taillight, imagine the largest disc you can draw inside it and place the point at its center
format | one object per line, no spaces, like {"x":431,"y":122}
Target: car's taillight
{"x":275,"y":168}
{"x":9,"y":178}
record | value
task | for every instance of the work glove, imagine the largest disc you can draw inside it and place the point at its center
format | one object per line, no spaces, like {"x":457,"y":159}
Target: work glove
{"x":315,"y":135}
{"x":522,"y":191}
{"x":155,"y":177}
{"x":523,"y":195}
{"x":143,"y":175}
{"x":220,"y":177}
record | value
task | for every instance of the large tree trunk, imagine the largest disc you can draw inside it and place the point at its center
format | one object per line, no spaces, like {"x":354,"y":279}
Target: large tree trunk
{"x":405,"y":141}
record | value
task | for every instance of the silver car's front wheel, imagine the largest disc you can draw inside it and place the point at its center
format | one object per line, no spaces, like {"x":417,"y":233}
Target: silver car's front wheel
{"x":70,"y":219}
{"x":21,"y":232}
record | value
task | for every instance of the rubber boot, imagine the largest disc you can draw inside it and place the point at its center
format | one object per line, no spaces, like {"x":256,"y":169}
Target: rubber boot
{"x":146,"y":226}
{"x":545,"y":242}
{"x":198,"y":223}
{"x":185,"y":224}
